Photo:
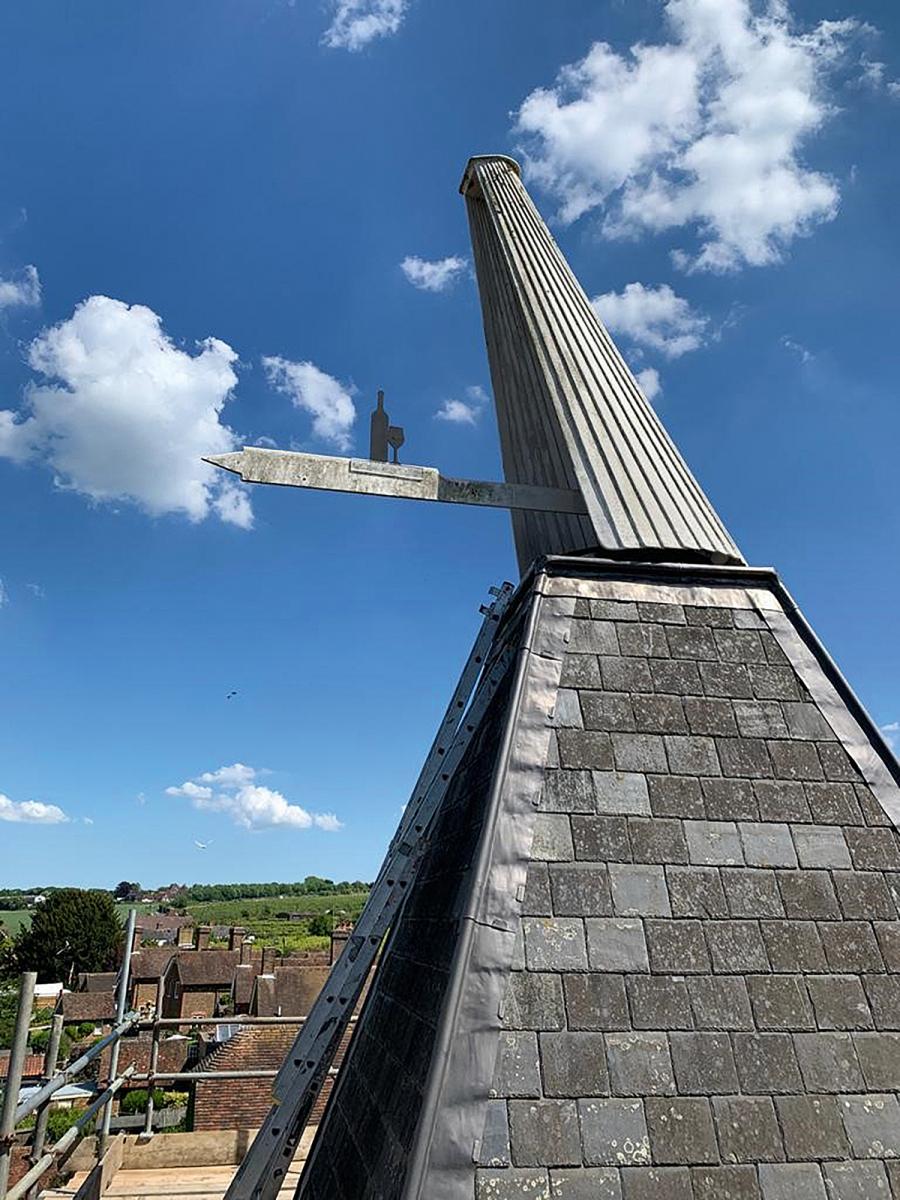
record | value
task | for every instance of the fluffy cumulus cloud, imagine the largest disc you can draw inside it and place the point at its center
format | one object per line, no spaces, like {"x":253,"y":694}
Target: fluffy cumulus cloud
{"x":464,"y":412}
{"x":653,"y":318}
{"x":328,"y":401}
{"x":121,"y":413}
{"x":30,"y":812}
{"x":236,"y":791}
{"x":21,"y":291}
{"x":355,"y":23}
{"x":706,"y":130}
{"x":436,"y":275}
{"x":649,"y":382}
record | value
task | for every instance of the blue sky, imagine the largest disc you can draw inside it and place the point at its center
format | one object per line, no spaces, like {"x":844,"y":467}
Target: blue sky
{"x":257,"y":174}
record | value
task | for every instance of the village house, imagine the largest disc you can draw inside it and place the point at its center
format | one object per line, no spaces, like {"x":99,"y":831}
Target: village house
{"x":194,"y":982}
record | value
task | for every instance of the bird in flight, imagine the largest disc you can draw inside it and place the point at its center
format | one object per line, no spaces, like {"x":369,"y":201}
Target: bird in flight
{"x":230,"y":694}
{"x":203,"y":845}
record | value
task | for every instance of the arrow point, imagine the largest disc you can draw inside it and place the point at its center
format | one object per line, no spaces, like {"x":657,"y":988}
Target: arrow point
{"x":229,"y":462}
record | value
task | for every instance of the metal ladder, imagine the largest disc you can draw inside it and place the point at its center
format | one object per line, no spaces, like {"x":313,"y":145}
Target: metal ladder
{"x":261,"y":1174}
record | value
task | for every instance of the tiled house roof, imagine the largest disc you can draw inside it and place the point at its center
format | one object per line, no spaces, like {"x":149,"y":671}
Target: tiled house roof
{"x":150,"y":963}
{"x":33,"y":1068}
{"x":97,"y":981}
{"x":206,"y":968}
{"x":87,"y":1006}
{"x":289,"y":991}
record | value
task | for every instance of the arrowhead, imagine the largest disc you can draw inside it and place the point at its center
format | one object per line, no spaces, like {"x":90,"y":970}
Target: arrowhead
{"x":229,"y":462}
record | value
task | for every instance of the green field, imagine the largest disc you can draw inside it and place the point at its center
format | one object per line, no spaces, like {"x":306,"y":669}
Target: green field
{"x":263,"y":918}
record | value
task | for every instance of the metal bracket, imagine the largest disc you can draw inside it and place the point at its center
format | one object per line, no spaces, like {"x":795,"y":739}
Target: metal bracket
{"x":290,"y":468}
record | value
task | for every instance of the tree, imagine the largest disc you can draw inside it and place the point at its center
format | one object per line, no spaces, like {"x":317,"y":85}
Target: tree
{"x":127,"y":891}
{"x":320,"y":925}
{"x":73,"y":931}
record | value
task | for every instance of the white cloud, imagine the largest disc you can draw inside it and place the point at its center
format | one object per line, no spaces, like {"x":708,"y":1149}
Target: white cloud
{"x":36,"y":590}
{"x":653,"y":318}
{"x":891,"y":732}
{"x":805,"y":356}
{"x":124,"y":414}
{"x":433,"y":276}
{"x":357,"y":22}
{"x":649,"y":382}
{"x":30,"y":812}
{"x":234,"y":790}
{"x":328,"y":401}
{"x":705,"y":131}
{"x":21,"y":292}
{"x":464,"y":412}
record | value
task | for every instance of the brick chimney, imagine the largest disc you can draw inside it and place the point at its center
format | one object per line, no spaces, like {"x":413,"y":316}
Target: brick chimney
{"x":269,"y":958}
{"x":203,"y":932}
{"x":185,"y":937}
{"x":236,"y":937}
{"x":246,"y":953}
{"x":136,"y":939}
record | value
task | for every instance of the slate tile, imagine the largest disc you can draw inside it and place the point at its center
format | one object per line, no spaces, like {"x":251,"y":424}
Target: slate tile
{"x":833,"y":803}
{"x":759,"y":719}
{"x":601,"y":839}
{"x":614,"y":610}
{"x":618,"y":792}
{"x":544,"y":1133}
{"x":736,"y":946}
{"x":580,"y":889}
{"x":850,"y":946}
{"x":638,"y":752}
{"x":554,"y":943}
{"x":692,"y":755}
{"x":534,"y":1001}
{"x":616,"y":944}
{"x":494,"y":1151}
{"x":872,"y":1122}
{"x":747,"y":757}
{"x":752,"y":892}
{"x":656,"y":713}
{"x":657,"y":840}
{"x":791,"y":1181}
{"x":766,"y":1063}
{"x":537,"y":902}
{"x":692,"y":642}
{"x":710,"y":717}
{"x":747,"y":1128}
{"x":795,"y":760}
{"x":696,"y":892}
{"x":574,"y":1064}
{"x":725,"y":1183}
{"x":681,"y":1130}
{"x":614,"y":1132}
{"x":767,"y":844}
{"x":639,"y":1064}
{"x":828,"y":1062}
{"x":728,"y":680}
{"x":567,"y":792}
{"x":713,"y":843}
{"x":879,"y":1060}
{"x":675,"y":796}
{"x":704,"y":1063}
{"x":720,"y":618}
{"x":528,"y":1184}
{"x":676,"y":947}
{"x":821,"y":846}
{"x":607,"y":711}
{"x":596,"y":1002}
{"x":873,"y":849}
{"x":585,"y":1183}
{"x":839,"y":1002}
{"x":580,"y":671}
{"x":780,"y":1002}
{"x":567,"y":710}
{"x":552,"y":840}
{"x":729,"y":800}
{"x":656,"y":1183}
{"x":627,"y":674}
{"x":837,"y":763}
{"x":781,"y":800}
{"x":666,"y":614}
{"x":793,"y":946}
{"x":808,"y":895}
{"x":864,"y":894}
{"x":639,"y":890}
{"x":883,"y":992}
{"x":806,"y":722}
{"x":593,"y":637}
{"x":772,"y":683}
{"x":659,"y":1002}
{"x":643,"y":641}
{"x":857,"y":1181}
{"x":517,"y":1071}
{"x":739,"y":645}
{"x":720,"y":1002}
{"x":675,"y":678}
{"x":584,"y":749}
